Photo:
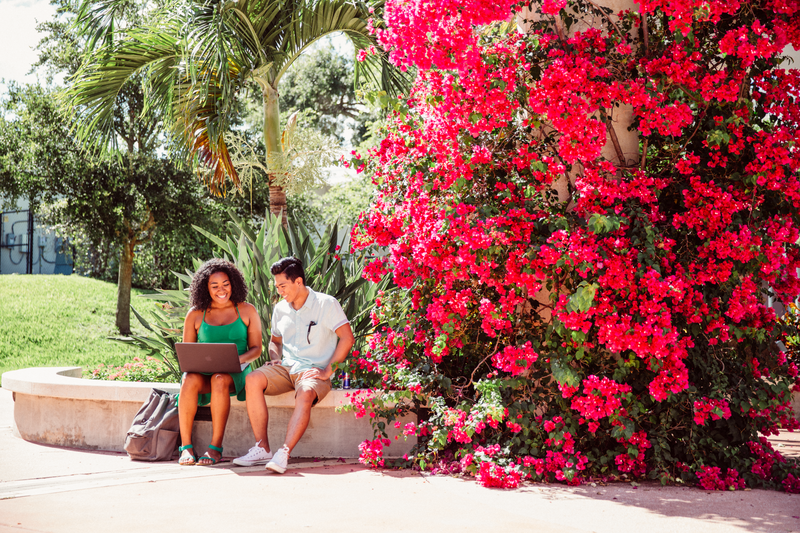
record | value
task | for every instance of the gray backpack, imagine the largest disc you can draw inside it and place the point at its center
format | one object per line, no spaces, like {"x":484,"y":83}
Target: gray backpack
{"x":153,"y":436}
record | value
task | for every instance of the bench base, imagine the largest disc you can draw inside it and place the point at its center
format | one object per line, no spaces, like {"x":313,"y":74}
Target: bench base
{"x":55,"y":406}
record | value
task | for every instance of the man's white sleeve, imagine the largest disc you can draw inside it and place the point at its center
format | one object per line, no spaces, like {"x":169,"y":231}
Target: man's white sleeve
{"x":334,"y":315}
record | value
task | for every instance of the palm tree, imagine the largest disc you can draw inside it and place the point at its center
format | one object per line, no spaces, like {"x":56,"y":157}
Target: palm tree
{"x":196,"y":56}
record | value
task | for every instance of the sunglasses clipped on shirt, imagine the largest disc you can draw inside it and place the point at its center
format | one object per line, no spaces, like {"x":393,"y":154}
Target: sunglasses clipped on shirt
{"x":308,"y":334}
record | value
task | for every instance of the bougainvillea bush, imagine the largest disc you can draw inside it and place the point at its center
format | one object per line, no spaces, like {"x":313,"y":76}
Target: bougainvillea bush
{"x":572,"y":313}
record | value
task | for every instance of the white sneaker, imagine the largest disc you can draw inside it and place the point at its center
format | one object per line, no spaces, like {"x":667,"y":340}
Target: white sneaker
{"x":255,"y":456}
{"x":280,"y":461}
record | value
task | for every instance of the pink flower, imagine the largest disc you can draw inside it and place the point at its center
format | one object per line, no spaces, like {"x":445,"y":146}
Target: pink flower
{"x":552,"y":7}
{"x":372,"y":452}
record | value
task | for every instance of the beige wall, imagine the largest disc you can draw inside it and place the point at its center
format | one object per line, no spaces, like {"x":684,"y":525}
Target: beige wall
{"x":55,"y":406}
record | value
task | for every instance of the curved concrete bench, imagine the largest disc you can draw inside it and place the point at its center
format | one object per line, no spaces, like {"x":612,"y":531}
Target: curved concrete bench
{"x":56,"y":406}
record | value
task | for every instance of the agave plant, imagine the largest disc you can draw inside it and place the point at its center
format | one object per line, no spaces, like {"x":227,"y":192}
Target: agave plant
{"x":329,"y":265}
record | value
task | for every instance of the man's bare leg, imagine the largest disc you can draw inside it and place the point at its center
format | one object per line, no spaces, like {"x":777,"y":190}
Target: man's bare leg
{"x":257,"y":412}
{"x":304,"y":401}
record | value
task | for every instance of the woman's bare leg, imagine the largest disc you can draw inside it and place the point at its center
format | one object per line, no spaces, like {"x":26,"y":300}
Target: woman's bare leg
{"x":221,"y":385}
{"x":193,"y":385}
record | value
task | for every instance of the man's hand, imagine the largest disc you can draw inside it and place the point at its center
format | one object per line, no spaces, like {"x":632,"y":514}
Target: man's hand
{"x":316,"y":373}
{"x":275,"y":350}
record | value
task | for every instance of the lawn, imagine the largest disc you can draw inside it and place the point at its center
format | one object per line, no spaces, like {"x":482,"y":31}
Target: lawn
{"x":62,"y":321}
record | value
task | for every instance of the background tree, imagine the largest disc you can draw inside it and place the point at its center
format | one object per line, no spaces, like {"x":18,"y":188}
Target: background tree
{"x":62,"y":52}
{"x":319,"y":87}
{"x":194,"y":78}
{"x":345,"y":201}
{"x":111,"y":203}
{"x":54,"y":166}
{"x":321,"y":83}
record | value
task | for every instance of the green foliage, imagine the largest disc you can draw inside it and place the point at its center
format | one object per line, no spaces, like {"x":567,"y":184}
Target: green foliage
{"x":109,"y":205}
{"x":582,"y":298}
{"x":59,"y":321}
{"x":343,"y":202}
{"x":329,"y":266}
{"x":95,"y":203}
{"x":174,"y":250}
{"x":791,"y":321}
{"x":305,"y":155}
{"x":119,"y":200}
{"x":305,"y":207}
{"x":165,"y":326}
{"x":60,"y":49}
{"x":194,"y":59}
{"x":321,"y":80}
{"x":35,"y":145}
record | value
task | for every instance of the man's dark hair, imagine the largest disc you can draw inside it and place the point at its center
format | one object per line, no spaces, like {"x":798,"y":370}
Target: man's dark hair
{"x":291,"y":267}
{"x":199,"y":295}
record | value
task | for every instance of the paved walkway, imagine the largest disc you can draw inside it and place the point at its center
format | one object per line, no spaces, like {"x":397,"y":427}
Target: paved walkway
{"x":44,"y":488}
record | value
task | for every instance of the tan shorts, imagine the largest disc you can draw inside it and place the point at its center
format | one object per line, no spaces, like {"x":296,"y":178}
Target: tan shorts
{"x":279,"y":380}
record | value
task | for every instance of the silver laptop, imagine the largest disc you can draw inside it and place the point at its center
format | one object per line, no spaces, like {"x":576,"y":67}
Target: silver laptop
{"x":208,"y":357}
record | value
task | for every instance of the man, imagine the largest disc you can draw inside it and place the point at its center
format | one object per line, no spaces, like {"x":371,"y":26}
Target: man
{"x":310,"y":332}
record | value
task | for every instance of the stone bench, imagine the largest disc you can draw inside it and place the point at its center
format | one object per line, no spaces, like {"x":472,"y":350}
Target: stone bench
{"x":56,"y":406}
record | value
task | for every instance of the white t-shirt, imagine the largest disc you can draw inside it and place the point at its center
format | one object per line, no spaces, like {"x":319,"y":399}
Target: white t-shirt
{"x":309,"y":333}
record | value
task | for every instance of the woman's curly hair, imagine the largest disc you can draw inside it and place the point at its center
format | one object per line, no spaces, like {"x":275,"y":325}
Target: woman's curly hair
{"x":199,"y":295}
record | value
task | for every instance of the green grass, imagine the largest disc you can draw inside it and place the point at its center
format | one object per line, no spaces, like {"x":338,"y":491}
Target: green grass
{"x":62,"y":321}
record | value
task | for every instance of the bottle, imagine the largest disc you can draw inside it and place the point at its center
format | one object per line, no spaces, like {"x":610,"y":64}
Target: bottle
{"x":346,"y":381}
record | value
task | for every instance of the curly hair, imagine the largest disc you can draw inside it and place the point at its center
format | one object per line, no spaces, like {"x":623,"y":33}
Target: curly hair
{"x":199,"y":295}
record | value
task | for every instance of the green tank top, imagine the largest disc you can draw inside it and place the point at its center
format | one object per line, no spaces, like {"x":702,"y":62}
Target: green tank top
{"x":235,"y":332}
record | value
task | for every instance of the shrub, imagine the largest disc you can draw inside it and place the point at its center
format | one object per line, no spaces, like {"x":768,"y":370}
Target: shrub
{"x":575,"y":315}
{"x":149,"y":369}
{"x":329,"y":266}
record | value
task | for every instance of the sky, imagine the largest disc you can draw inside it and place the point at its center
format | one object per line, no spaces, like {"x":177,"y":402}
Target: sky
{"x":18,"y":36}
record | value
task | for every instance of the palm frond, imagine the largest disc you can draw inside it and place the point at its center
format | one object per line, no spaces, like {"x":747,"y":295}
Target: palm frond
{"x":96,"y":85}
{"x":98,"y":20}
{"x":256,"y":24}
{"x":202,"y":127}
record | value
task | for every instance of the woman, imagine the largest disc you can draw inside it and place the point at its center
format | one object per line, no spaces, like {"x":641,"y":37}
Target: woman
{"x":219,"y":314}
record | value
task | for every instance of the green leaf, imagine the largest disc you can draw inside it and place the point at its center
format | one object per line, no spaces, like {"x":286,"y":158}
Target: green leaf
{"x":564,"y":373}
{"x":583,"y":297}
{"x":213,"y":238}
{"x":141,"y":319}
{"x":603,"y":223}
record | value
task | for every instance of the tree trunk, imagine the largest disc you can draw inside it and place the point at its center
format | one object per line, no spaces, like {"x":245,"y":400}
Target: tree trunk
{"x":272,"y":142}
{"x":277,"y":203}
{"x":124,"y":283}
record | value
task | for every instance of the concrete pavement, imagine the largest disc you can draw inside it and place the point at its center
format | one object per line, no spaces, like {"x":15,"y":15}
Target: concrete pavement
{"x":44,"y":488}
